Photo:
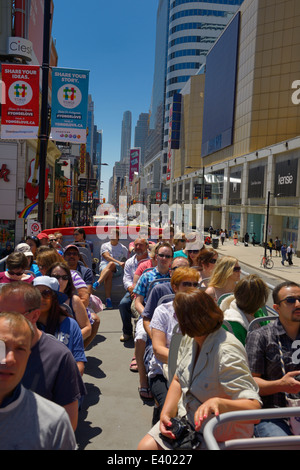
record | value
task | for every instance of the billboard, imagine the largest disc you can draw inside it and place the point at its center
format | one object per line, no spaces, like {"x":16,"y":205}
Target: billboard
{"x":134,"y":162}
{"x":286,"y":178}
{"x":220,"y":88}
{"x":256,"y":181}
{"x":69,"y":105}
{"x":20,"y":109}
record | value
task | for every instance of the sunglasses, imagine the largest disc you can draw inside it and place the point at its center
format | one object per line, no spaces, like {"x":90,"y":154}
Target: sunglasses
{"x":64,"y":277}
{"x":290,"y":300}
{"x":164,"y":256}
{"x":46,"y":293}
{"x":213,"y":261}
{"x":193,"y":251}
{"x":71,"y":253}
{"x":189,"y":284}
{"x":237,"y":268}
{"x":12,"y":273}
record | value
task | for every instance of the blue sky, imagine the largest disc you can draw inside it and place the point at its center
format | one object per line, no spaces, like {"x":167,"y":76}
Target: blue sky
{"x":115,"y":40}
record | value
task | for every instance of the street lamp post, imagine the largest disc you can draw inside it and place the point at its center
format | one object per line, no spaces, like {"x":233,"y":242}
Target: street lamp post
{"x":44,"y":128}
{"x":267,"y":222}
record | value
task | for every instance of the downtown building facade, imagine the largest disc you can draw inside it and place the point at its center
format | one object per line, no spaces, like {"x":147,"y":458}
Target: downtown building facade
{"x":185,"y":32}
{"x":20,"y":23}
{"x":239,"y":144}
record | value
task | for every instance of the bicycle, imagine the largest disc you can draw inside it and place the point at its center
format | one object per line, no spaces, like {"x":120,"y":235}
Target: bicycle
{"x":266,"y":262}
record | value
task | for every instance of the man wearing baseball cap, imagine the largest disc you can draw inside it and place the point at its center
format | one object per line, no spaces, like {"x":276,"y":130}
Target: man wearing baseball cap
{"x":72,"y":257}
{"x":44,"y":239}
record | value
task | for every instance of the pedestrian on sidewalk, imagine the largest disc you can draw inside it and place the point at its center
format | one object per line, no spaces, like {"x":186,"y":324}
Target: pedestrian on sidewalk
{"x":235,"y":238}
{"x":270,"y":246}
{"x":283,"y":254}
{"x":290,"y":251}
{"x":223,"y":236}
{"x":277,"y":246}
{"x":246,"y":239}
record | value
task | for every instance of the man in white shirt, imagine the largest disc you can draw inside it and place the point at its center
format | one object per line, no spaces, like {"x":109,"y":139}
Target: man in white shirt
{"x":113,"y":257}
{"x":141,"y":246}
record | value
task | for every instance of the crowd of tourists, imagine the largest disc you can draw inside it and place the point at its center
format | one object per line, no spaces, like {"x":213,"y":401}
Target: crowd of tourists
{"x":173,"y":287}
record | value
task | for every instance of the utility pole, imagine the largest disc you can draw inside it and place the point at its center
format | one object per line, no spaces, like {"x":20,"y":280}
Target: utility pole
{"x":267,"y":223}
{"x":44,"y":128}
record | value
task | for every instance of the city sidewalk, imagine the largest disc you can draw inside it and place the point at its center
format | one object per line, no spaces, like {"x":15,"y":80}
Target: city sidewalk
{"x":251,"y":256}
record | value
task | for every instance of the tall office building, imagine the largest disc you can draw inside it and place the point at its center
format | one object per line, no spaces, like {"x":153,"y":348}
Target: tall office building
{"x":185,"y":32}
{"x":155,"y":138}
{"x":90,"y":136}
{"x":126,"y":136}
{"x":194,"y":27}
{"x":140,"y":135}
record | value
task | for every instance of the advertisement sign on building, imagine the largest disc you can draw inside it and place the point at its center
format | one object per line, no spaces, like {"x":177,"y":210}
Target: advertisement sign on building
{"x":20,"y":109}
{"x":286,"y":178}
{"x":134,"y":162}
{"x":69,"y":105}
{"x":256,"y":181}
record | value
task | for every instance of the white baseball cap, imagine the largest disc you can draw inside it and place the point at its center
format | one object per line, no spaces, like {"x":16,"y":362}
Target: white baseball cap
{"x":24,"y":248}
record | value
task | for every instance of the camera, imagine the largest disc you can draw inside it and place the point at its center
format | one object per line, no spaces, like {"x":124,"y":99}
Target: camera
{"x":178,"y":427}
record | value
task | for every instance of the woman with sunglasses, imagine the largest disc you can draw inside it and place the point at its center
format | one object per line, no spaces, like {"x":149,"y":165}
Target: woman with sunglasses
{"x":55,"y":320}
{"x":161,"y":326}
{"x":62,"y":273}
{"x":226,"y":274}
{"x":207,"y":259}
{"x":16,"y":265}
{"x":212,"y":375}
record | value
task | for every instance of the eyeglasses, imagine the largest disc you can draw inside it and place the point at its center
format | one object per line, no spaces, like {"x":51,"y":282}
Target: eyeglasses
{"x":64,"y":277}
{"x":161,"y":255}
{"x":189,"y":284}
{"x":12,"y":273}
{"x":30,"y":310}
{"x":193,"y":251}
{"x":289,"y":300}
{"x":46,"y":293}
{"x":213,"y":261}
{"x":237,"y":268}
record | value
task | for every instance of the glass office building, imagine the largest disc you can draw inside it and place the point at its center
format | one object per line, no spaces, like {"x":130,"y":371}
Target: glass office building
{"x":194,"y":27}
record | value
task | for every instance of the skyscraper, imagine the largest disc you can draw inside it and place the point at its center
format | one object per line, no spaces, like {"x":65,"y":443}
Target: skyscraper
{"x":126,"y":136}
{"x":185,"y":32}
{"x":192,"y":32}
{"x":157,"y":109}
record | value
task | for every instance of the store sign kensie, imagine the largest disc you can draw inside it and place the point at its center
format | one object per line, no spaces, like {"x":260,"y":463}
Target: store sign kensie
{"x":288,"y":179}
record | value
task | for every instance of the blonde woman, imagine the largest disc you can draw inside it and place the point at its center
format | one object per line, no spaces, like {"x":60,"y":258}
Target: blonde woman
{"x":226,"y":274}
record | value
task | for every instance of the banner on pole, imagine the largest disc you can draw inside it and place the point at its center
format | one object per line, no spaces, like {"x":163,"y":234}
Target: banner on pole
{"x":69,"y":105}
{"x":20,"y":109}
{"x":134,"y":162}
